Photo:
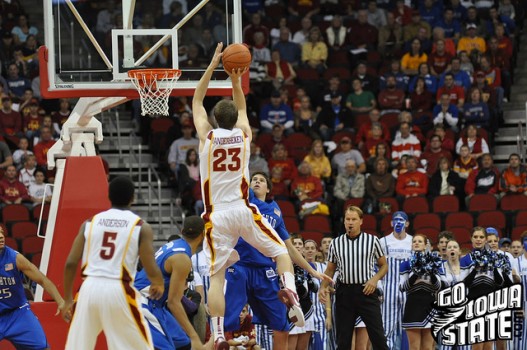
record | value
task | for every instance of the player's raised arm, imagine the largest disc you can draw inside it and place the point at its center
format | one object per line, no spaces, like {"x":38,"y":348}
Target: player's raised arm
{"x":201,"y":121}
{"x":146,"y":254}
{"x":239,"y":100}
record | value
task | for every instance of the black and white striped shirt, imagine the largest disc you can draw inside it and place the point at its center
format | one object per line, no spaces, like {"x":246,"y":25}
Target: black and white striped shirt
{"x":355,"y":257}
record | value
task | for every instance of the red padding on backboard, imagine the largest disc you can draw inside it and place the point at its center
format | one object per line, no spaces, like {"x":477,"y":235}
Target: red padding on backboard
{"x":84,"y":194}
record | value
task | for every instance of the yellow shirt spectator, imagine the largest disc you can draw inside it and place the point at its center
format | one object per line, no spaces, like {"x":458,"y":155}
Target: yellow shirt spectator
{"x":471,"y":41}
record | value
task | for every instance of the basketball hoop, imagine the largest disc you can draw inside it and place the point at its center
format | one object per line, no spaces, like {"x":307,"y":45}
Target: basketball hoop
{"x":154,"y":87}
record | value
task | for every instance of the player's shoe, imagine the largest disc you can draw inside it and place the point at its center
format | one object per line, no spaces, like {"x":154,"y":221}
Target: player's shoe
{"x":221,"y":344}
{"x":294,"y":311}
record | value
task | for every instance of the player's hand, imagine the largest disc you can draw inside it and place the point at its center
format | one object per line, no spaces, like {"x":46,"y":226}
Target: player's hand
{"x":196,"y":343}
{"x":329,"y":323}
{"x":369,"y":287}
{"x":217,"y":56}
{"x":323,"y":295}
{"x":236,"y":73}
{"x":322,"y":277}
{"x":156,"y":291}
{"x":65,"y":310}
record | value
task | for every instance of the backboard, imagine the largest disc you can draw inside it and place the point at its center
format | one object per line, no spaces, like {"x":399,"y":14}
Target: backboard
{"x":88,"y":52}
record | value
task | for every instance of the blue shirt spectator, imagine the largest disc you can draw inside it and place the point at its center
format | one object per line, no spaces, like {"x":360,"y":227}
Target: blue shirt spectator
{"x":289,"y":51}
{"x":430,"y":12}
{"x":17,"y":84}
{"x":276,"y":112}
{"x":430,"y":82}
{"x":461,"y":77}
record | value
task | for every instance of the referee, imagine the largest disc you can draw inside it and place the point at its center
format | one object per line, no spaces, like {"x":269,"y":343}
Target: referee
{"x":354,"y":255}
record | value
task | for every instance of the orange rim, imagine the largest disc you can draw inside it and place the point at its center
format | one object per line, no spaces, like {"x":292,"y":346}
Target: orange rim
{"x":150,"y":74}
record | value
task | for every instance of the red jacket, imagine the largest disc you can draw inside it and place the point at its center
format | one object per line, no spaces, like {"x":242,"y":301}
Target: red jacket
{"x":483,"y":181}
{"x":412,"y":182}
{"x":11,"y":191}
{"x":41,"y":151}
{"x":289,"y":171}
{"x":309,"y":184}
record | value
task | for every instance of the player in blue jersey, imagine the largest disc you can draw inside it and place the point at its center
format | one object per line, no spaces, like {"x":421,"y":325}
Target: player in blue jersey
{"x":18,"y":323}
{"x":170,"y":327}
{"x":253,"y":279}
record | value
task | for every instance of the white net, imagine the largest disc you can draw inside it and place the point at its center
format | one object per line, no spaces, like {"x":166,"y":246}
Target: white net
{"x":154,"y":87}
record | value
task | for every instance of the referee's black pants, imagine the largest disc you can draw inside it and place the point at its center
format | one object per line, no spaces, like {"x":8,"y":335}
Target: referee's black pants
{"x":350,"y":303}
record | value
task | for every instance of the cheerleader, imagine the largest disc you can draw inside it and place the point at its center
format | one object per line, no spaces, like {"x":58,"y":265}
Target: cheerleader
{"x":420,"y":289}
{"x":318,"y":337}
{"x":520,"y":265}
{"x":452,"y":274}
{"x":480,"y":280}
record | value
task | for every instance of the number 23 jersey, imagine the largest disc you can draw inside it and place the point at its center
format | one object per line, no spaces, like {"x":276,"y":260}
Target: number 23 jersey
{"x":111,"y":249}
{"x":224,"y":166}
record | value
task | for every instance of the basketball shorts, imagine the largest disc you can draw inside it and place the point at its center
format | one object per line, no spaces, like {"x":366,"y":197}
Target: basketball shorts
{"x":111,"y":306}
{"x":167,"y":334}
{"x":257,"y":286}
{"x":22,"y":328}
{"x":226,"y":223}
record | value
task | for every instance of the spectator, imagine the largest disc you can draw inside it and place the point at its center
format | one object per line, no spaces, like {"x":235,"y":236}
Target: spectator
{"x":514,"y":178}
{"x":450,"y":25}
{"x":405,"y":143}
{"x":421,"y":102}
{"x":362,"y":34}
{"x":395,"y":70}
{"x":430,"y":12}
{"x":289,"y":50}
{"x":315,"y":51}
{"x":424,"y":38}
{"x":279,"y":190}
{"x":22,"y":30}
{"x":476,"y":112}
{"x":254,"y":27}
{"x":450,"y":45}
{"x":38,"y":191}
{"x":299,"y":9}
{"x":446,"y":112}
{"x":381,"y":151}
{"x":338,"y":162}
{"x":279,"y":71}
{"x":368,"y":81}
{"x":302,"y":35}
{"x":471,"y":41}
{"x":465,"y":164}
{"x":370,"y":146}
{"x":493,"y":78}
{"x":390,"y":36}
{"x":411,"y":29}
{"x":10,"y":121}
{"x":411,"y":60}
{"x":32,"y":117}
{"x":276,"y":112}
{"x":179,"y":148}
{"x":495,"y":18}
{"x":391,"y":99}
{"x":277,"y":136}
{"x":260,"y":52}
{"x":504,"y":42}
{"x":281,"y":160}
{"x":406,"y":117}
{"x":498,"y":58}
{"x":173,"y":16}
{"x":334,"y":86}
{"x":413,"y":182}
{"x":27,"y":173}
{"x":506,"y":8}
{"x":59,"y":117}
{"x":256,"y":162}
{"x":430,"y":158}
{"x":461,"y":78}
{"x":439,"y":59}
{"x":424,"y":73}
{"x":478,"y":146}
{"x":460,"y":11}
{"x":337,"y":35}
{"x":12,"y":191}
{"x":16,"y":83}
{"x":365,"y":133}
{"x":473,"y":18}
{"x":483,"y":180}
{"x":245,"y":336}
{"x":465,"y":63}
{"x":42,"y":147}
{"x":305,"y":187}
{"x":349,"y":184}
{"x":376,"y":16}
{"x":456,"y":94}
{"x":318,"y":161}
{"x":305,"y":117}
{"x":445,"y":181}
{"x":7,"y":50}
{"x":22,"y":152}
{"x":360,"y":101}
{"x":274,"y":33}
{"x":333,"y":117}
{"x":447,"y":142}
{"x":403,"y":14}
{"x":379,"y":184}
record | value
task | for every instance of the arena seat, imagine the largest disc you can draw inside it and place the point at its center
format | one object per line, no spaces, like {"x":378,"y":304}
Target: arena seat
{"x":318,"y":223}
{"x":11,"y":243}
{"x":453,"y":220}
{"x":445,"y":204}
{"x":431,"y":232}
{"x":481,"y":202}
{"x":462,"y":234}
{"x":426,"y":220}
{"x":291,"y":224}
{"x":494,"y":218}
{"x":314,"y":235}
{"x":369,"y":223}
{"x":512,"y":202}
{"x":414,"y":205}
{"x":32,"y":245}
{"x":287,"y":208}
{"x":517,"y":231}
{"x":521,"y":218}
{"x":23,"y":229}
{"x":15,"y":212}
{"x":36,"y":212}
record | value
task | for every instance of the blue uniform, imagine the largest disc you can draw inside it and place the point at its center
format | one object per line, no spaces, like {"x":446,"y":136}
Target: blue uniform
{"x":253,"y":278}
{"x":18,"y":323}
{"x":166,"y":332}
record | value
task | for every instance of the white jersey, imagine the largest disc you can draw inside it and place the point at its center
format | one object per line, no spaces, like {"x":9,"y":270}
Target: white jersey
{"x":112,"y":245}
{"x":224,"y":166}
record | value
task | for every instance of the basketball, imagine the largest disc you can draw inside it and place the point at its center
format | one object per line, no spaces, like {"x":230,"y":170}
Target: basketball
{"x":236,"y":56}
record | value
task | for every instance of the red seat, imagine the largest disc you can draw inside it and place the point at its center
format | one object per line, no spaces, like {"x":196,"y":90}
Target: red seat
{"x":369,"y":223}
{"x":287,"y":208}
{"x":426,"y":220}
{"x":481,"y":202}
{"x":357,"y":202}
{"x":431,"y":232}
{"x":386,"y":223}
{"x":517,"y":232}
{"x":314,"y":235}
{"x":521,"y":218}
{"x":391,"y":120}
{"x":35,"y":259}
{"x":11,"y":243}
{"x":317,"y":223}
{"x":341,"y":72}
{"x":360,"y":119}
{"x":32,"y":245}
{"x":15,"y":212}
{"x":445,"y":204}
{"x":307,"y":74}
{"x":23,"y":229}
{"x":300,"y":144}
{"x":291,"y":223}
{"x":514,"y":202}
{"x":414,"y":205}
{"x":36,"y":212}
{"x":338,"y":59}
{"x":453,"y":220}
{"x":392,"y":201}
{"x":461,"y":234}
{"x":494,"y":218}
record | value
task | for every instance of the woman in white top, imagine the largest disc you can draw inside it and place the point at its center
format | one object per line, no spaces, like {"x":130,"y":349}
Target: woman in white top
{"x":38,"y":190}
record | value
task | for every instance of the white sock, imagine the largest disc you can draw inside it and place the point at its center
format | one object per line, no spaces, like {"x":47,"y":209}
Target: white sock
{"x":217,"y":327}
{"x":288,"y":281}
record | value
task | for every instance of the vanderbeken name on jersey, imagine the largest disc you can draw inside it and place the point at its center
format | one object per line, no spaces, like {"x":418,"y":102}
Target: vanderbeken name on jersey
{"x":227,"y":140}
